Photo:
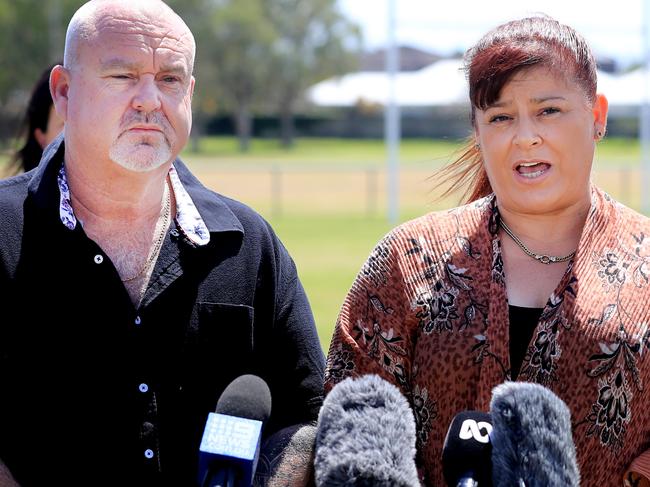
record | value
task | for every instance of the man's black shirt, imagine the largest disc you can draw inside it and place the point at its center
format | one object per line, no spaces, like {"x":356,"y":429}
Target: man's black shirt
{"x":95,"y":391}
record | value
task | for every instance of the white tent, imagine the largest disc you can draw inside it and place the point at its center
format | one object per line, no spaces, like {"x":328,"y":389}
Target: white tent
{"x":443,"y":83}
{"x":624,"y":89}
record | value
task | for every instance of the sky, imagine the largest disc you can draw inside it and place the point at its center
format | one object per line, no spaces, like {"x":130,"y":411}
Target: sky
{"x":613,"y":28}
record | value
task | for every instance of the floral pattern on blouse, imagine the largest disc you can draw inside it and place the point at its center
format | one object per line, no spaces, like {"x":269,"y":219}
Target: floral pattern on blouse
{"x":425,"y":411}
{"x":383,"y":345}
{"x":611,"y":412}
{"x":621,"y":269}
{"x":372,"y":268}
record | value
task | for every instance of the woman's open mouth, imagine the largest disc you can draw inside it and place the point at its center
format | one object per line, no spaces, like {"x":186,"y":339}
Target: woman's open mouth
{"x":532,"y":170}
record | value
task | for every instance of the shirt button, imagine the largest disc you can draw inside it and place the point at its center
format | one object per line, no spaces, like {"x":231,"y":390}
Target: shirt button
{"x":137,"y":320}
{"x":174,"y":232}
{"x":147,"y":428}
{"x":99,"y":259}
{"x":143,"y":387}
{"x":148,"y":453}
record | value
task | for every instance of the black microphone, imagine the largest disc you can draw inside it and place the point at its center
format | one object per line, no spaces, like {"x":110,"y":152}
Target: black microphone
{"x":365,"y":436}
{"x":466,"y":454}
{"x":532,"y":444}
{"x":230,"y":446}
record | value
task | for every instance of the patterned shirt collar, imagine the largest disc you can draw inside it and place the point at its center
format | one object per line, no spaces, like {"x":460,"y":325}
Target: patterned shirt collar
{"x":187,"y":216}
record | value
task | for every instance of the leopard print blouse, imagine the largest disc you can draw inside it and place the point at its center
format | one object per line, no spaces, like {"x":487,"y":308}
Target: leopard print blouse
{"x":429,"y":312}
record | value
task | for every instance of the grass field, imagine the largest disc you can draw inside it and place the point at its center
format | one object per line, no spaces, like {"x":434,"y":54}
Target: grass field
{"x":326,"y":197}
{"x":342,"y":151}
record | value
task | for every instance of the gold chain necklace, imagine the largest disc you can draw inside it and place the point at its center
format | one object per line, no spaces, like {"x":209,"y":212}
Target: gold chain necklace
{"x":159,"y":239}
{"x":543,"y":258}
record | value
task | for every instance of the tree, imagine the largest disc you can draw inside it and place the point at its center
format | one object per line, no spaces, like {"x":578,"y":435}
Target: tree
{"x":257,"y":55}
{"x":240,"y":54}
{"x":314,"y":42}
{"x":197,"y":14}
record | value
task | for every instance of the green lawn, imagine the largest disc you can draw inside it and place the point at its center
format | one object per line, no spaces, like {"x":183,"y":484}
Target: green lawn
{"x":224,"y":150}
{"x":321,"y":150}
{"x":328,"y":251}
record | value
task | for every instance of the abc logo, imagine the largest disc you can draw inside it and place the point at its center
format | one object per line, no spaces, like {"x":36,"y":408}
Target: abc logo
{"x":479,"y":431}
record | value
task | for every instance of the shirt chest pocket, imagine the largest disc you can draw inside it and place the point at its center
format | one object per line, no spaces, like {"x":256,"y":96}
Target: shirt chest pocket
{"x":221,"y":330}
{"x":218,"y":347}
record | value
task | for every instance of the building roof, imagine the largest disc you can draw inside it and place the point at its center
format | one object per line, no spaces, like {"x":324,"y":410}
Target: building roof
{"x":443,"y":83}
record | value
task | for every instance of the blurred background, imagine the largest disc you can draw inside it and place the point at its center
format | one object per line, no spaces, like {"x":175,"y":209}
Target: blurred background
{"x":293,"y":99}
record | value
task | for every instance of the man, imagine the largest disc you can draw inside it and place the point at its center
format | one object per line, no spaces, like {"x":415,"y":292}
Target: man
{"x":133,"y":294}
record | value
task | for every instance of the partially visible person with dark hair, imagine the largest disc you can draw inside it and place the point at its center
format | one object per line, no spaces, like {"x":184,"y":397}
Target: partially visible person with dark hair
{"x":39,"y":127}
{"x":540,"y":277}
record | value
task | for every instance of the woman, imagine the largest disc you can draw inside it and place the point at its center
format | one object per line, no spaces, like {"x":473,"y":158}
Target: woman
{"x":541,"y":277}
{"x":40,"y":126}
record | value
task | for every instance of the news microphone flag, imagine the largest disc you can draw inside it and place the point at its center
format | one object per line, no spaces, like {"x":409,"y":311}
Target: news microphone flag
{"x":229,"y":438}
{"x":466,"y":454}
{"x":230,"y":447}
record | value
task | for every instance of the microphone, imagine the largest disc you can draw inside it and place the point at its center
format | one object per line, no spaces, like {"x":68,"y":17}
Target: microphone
{"x":466,"y":454}
{"x":365,"y":436}
{"x":532,"y":444}
{"x":230,"y":446}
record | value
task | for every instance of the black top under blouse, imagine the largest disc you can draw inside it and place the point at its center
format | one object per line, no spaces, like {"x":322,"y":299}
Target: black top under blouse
{"x":522,"y":326}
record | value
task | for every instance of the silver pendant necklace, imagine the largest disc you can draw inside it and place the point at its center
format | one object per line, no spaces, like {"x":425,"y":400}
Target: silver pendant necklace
{"x":166,"y":212}
{"x":543,"y":258}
